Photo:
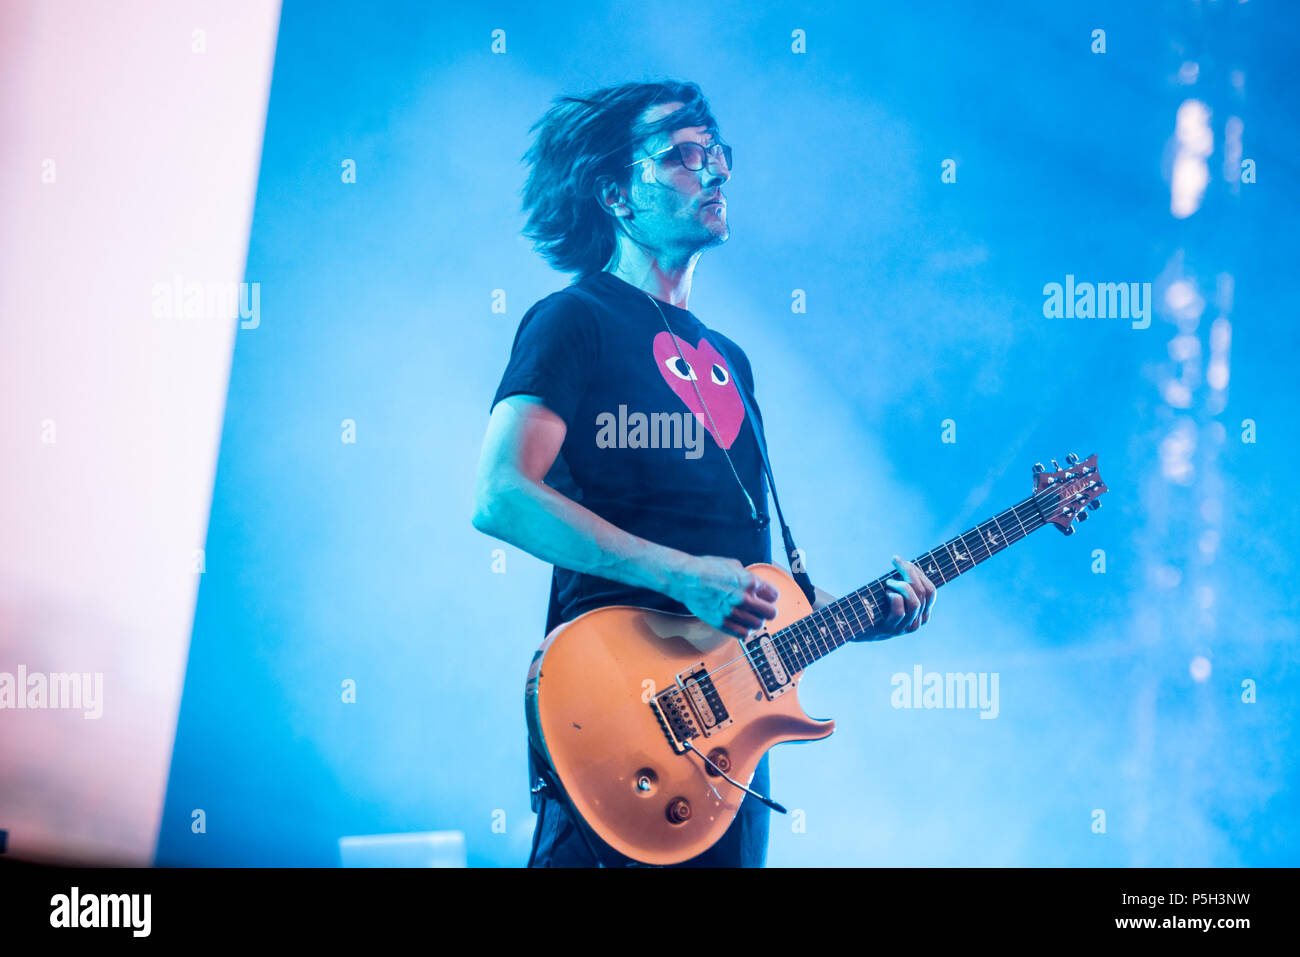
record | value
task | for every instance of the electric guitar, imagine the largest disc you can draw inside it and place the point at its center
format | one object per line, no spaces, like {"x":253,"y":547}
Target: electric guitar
{"x":654,"y":741}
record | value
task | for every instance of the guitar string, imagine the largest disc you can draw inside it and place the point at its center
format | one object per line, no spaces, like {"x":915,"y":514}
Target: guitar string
{"x":721,"y":681}
{"x":805,"y":635}
{"x":783,"y":644}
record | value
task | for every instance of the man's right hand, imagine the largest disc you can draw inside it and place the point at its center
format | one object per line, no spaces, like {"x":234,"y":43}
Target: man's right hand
{"x":723,"y":594}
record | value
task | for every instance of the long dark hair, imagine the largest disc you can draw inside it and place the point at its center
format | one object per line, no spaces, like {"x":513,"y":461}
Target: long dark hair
{"x":583,"y":141}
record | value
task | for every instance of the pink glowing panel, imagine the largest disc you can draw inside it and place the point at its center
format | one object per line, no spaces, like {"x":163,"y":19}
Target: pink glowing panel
{"x":132,"y":140}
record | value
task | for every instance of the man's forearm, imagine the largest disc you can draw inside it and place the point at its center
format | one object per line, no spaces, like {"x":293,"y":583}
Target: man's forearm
{"x":558,"y":530}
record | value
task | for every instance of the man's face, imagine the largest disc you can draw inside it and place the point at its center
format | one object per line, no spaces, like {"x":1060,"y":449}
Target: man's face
{"x":677,"y":208}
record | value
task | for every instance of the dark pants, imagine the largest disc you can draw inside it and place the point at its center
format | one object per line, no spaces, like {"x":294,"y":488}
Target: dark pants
{"x":557,"y":842}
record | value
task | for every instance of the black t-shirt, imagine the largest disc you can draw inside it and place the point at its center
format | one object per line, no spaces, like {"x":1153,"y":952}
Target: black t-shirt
{"x":641,"y":449}
{"x":644,"y":448}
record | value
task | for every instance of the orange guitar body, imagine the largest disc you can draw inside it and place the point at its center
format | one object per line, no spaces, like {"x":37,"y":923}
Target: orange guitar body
{"x":626,"y":703}
{"x":598,"y":702}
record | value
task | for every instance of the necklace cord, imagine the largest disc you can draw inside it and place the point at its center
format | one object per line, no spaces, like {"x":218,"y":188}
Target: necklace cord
{"x":801,"y":576}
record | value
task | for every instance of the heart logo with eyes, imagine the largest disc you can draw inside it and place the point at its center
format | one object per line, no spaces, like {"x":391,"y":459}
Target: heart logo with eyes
{"x":702,"y":366}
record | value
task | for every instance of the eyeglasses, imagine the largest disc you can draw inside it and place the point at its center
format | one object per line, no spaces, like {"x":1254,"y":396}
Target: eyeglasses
{"x":692,"y":155}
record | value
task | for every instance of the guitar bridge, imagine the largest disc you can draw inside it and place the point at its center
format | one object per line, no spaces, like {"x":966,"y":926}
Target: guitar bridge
{"x":704,"y":699}
{"x":675,"y":717}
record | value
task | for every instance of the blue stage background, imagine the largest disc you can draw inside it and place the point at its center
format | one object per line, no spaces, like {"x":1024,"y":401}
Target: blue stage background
{"x":330,"y":561}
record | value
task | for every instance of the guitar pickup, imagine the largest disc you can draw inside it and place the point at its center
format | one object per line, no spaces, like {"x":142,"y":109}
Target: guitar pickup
{"x":703,"y":697}
{"x":766,"y":661}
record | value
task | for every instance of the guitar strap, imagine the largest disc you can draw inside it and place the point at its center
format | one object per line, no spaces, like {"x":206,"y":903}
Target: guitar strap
{"x":547,"y":783}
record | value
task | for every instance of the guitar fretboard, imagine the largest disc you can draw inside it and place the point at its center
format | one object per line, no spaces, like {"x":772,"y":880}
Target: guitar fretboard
{"x":814,"y":636}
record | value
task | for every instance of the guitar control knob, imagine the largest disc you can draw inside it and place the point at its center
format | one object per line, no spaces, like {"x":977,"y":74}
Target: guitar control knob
{"x":719,"y":757}
{"x":1072,"y":459}
{"x":679,"y":810}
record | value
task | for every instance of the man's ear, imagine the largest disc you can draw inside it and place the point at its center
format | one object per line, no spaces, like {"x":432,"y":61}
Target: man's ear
{"x":613,"y":198}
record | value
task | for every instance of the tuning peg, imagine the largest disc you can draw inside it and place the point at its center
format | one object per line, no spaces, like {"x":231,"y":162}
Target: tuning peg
{"x":1055,"y":466}
{"x":1068,"y":530}
{"x":1038,"y":467}
{"x":1082,"y":516}
{"x":1072,"y":459}
{"x":1095,"y":504}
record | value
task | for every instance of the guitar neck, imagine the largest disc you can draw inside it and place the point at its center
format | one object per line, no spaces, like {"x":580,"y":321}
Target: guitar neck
{"x":816,"y":635}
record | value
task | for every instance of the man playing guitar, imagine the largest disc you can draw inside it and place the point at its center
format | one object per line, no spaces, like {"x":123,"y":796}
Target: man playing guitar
{"x":619,"y":447}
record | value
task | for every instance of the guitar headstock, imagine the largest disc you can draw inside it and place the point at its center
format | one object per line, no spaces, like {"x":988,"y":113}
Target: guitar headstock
{"x":1068,"y":493}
